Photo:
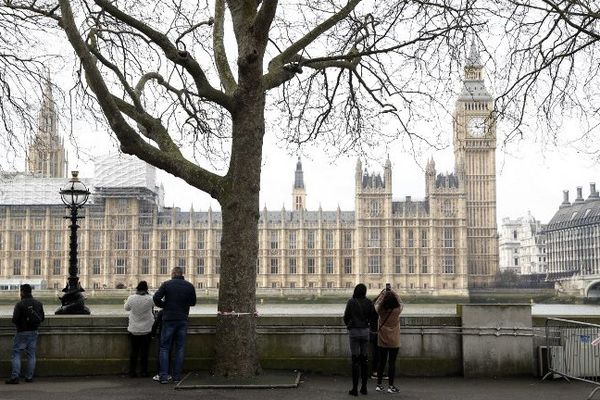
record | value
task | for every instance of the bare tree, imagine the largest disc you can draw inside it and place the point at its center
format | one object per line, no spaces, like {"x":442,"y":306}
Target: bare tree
{"x":170,"y":76}
{"x":551,"y":74}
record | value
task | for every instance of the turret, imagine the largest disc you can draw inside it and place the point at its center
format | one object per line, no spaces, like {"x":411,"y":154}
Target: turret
{"x":387,"y":175}
{"x":299,"y":191}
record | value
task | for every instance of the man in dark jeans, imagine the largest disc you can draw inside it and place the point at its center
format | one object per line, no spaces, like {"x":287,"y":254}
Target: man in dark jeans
{"x":27,"y":317}
{"x":175,"y":297}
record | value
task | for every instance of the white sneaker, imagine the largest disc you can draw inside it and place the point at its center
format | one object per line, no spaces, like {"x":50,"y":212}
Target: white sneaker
{"x":393,"y":389}
{"x":157,"y":378}
{"x":379,"y":388}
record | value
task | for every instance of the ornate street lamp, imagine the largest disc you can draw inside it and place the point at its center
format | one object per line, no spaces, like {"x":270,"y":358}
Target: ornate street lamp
{"x":74,"y":195}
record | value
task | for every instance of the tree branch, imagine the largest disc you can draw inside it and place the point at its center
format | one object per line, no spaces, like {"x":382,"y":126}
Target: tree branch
{"x":226,"y":76}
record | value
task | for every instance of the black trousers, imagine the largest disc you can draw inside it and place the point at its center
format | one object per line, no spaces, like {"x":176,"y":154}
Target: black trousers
{"x":140,"y":344}
{"x":387,"y":354}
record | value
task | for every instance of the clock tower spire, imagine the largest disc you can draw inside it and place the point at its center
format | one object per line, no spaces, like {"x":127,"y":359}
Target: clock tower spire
{"x":475,"y":146}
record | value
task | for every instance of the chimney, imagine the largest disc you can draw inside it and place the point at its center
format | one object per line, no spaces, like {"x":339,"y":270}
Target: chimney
{"x":593,"y":193}
{"x":579,"y":198}
{"x":408,"y":199}
{"x":565,"y":202}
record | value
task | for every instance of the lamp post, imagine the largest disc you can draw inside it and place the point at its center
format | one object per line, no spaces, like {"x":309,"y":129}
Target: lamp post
{"x":74,"y":195}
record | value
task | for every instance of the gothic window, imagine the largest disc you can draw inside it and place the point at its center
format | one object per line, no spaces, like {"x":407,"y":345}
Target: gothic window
{"x":164,"y":240}
{"x":410,"y":264}
{"x":56,"y":267}
{"x":447,"y":209}
{"x":310,"y":265}
{"x":292,"y":266}
{"x":17,"y":241}
{"x":347,"y":239}
{"x":448,"y":264}
{"x":374,"y":238}
{"x":96,"y":266}
{"x":122,"y":205}
{"x":145,"y":240}
{"x":292,"y":240}
{"x":96,"y":240}
{"x":37,"y":240}
{"x":397,"y":264}
{"x":181,"y":264}
{"x":274,"y":240}
{"x":397,"y":238}
{"x":310,"y":239}
{"x":374,"y":264}
{"x":347,"y":265}
{"x":200,"y":266}
{"x":163,"y":266}
{"x":217,"y":265}
{"x":424,"y":241}
{"x":274,"y":266}
{"x":329,"y":239}
{"x":121,"y":240}
{"x":182,"y":240}
{"x":411,"y":238}
{"x":374,"y":208}
{"x":515,"y":235}
{"x":37,"y":267}
{"x":57,"y":241}
{"x":200,"y":240}
{"x":329,"y":265}
{"x":424,"y":266}
{"x":17,"y":267}
{"x":448,"y":238}
{"x":121,"y":267}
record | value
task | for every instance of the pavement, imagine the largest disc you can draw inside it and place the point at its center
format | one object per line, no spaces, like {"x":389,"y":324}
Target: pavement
{"x":312,"y":387}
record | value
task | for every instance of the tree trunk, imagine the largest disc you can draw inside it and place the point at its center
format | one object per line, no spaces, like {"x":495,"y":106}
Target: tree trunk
{"x":236,"y":348}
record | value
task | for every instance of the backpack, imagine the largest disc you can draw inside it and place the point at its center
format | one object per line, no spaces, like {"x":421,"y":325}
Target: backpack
{"x":32,"y":317}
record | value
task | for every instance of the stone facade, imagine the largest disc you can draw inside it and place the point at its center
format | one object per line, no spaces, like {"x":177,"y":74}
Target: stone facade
{"x":523,"y":246}
{"x":444,"y":244}
{"x":573,"y":237}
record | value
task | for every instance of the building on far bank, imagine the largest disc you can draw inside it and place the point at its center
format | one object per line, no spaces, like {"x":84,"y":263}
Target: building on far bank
{"x":446,"y":243}
{"x":573,"y":236}
{"x":523,"y":246}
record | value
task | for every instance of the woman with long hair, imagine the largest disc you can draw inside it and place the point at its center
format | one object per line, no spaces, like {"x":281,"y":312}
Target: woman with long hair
{"x":356,"y":317}
{"x":388,"y":306}
{"x":141,"y":319}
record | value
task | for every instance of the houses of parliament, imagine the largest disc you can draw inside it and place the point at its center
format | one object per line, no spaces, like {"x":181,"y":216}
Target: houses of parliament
{"x":445,"y":244}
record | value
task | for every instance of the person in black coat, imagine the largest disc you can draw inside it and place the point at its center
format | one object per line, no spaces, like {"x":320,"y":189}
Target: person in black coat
{"x":357,"y":315}
{"x":28,"y":314}
{"x":175,"y":297}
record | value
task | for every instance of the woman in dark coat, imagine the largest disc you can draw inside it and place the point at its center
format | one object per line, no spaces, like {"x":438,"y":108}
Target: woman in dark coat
{"x":356,"y":317}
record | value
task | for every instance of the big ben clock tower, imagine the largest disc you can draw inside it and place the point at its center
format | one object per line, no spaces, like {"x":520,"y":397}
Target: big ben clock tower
{"x":475,"y":152}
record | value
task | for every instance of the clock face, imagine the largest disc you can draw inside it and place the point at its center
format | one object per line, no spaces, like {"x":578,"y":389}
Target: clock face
{"x":476,"y":127}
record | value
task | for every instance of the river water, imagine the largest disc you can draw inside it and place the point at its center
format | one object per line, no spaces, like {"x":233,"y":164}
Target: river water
{"x":556,"y":310}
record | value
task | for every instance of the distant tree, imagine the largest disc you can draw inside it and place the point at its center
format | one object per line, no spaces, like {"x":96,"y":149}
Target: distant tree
{"x":162,"y":76}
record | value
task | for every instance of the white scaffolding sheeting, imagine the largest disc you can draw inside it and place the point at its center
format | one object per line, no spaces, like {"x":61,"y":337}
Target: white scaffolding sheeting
{"x":21,"y":189}
{"x":123,"y":171}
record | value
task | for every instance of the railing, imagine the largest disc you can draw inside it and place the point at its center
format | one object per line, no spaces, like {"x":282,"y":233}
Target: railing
{"x":573,"y":351}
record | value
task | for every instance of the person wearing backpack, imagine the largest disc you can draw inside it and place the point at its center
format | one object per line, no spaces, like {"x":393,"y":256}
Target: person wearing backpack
{"x":388,"y":306}
{"x":27,"y":317}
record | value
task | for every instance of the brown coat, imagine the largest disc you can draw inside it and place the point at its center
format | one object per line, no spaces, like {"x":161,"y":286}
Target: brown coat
{"x":388,"y":334}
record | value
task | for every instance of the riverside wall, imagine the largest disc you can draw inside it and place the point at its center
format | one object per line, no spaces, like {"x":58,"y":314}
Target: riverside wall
{"x":480,"y":340}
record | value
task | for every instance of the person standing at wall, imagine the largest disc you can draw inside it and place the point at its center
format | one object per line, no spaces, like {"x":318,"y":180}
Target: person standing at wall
{"x":141,"y":319}
{"x":389,"y":306}
{"x":175,"y":297}
{"x":356,"y":317}
{"x":28,"y":314}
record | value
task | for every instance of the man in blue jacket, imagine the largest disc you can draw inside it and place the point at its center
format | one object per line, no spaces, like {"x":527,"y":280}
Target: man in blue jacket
{"x":175,"y":297}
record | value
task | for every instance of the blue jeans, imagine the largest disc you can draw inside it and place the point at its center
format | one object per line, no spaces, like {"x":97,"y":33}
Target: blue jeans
{"x":27,"y":341}
{"x":172,"y":331}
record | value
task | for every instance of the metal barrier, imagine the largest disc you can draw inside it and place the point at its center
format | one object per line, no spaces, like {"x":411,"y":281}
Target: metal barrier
{"x":573,"y":351}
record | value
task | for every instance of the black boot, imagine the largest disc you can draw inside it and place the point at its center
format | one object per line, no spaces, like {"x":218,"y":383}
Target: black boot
{"x":364,"y":374}
{"x":355,"y":374}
